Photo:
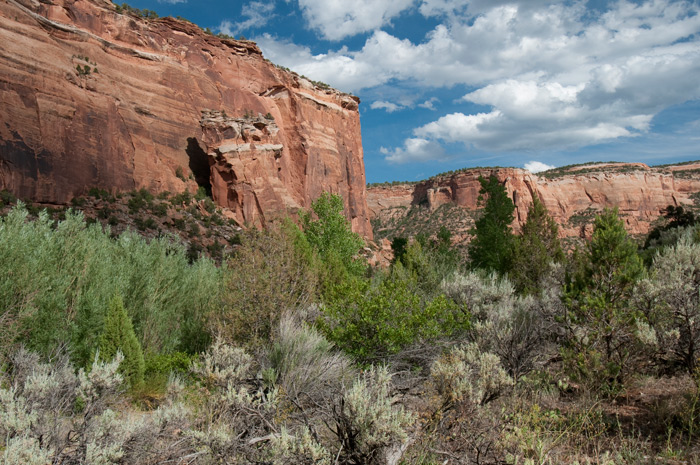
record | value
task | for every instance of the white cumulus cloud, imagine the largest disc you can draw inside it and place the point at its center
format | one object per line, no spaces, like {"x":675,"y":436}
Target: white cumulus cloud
{"x":257,"y":14}
{"x":336,"y":19}
{"x":388,"y":106}
{"x":537,"y":166}
{"x":545,"y":75}
{"x":416,"y":150}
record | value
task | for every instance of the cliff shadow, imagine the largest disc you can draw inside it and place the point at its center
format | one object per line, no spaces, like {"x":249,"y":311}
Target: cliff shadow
{"x":199,"y":164}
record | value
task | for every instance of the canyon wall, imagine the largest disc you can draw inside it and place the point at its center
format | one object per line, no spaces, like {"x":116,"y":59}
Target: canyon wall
{"x":572,"y":197}
{"x":90,"y":97}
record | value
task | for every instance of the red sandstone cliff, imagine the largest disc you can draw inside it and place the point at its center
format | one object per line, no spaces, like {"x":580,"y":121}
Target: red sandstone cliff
{"x":90,"y":97}
{"x":640,"y":193}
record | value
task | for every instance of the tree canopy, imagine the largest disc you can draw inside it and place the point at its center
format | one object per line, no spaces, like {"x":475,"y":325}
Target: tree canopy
{"x":536,"y":249}
{"x":493,"y":242}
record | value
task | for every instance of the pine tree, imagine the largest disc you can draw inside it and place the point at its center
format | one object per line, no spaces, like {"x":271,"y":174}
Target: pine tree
{"x":536,"y":249}
{"x":118,"y":335}
{"x":493,"y":242}
{"x":602,"y":324}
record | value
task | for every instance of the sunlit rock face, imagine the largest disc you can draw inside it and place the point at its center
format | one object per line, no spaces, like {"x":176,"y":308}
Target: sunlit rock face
{"x":639,"y":192}
{"x":93,"y":98}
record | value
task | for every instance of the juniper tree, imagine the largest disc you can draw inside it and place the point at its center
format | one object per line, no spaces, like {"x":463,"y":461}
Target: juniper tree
{"x":536,"y":249}
{"x":493,"y":242}
{"x":118,"y":336}
{"x":601,"y":322}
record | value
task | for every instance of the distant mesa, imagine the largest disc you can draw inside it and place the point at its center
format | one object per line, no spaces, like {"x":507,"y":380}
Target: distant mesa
{"x":573,"y":195}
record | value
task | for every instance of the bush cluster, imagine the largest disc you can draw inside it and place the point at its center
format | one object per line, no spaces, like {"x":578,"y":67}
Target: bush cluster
{"x":295,"y":350}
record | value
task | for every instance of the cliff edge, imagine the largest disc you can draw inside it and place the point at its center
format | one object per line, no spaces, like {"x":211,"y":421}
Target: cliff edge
{"x":573,"y":196}
{"x":90,"y":97}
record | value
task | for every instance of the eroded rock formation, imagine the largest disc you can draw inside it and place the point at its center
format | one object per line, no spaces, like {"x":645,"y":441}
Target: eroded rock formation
{"x":93,"y":98}
{"x":572,"y":198}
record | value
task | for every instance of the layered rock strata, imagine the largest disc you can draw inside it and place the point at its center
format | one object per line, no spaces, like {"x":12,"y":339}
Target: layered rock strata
{"x":639,"y":192}
{"x":90,"y":97}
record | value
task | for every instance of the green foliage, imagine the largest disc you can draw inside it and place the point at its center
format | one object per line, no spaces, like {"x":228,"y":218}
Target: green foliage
{"x":183,"y":198}
{"x":676,"y":221}
{"x":100,"y":194}
{"x":493,"y":242}
{"x":56,"y":281}
{"x":145,"y":223}
{"x":390,"y":183}
{"x":6,"y":198}
{"x":118,"y":336}
{"x":331,"y":236}
{"x":141,"y":13}
{"x":374,"y":320}
{"x":536,"y":249}
{"x":140,"y":199}
{"x":427,"y":262}
{"x":159,"y":209}
{"x":600,"y":322}
{"x":268,"y":274}
{"x":201,"y":194}
{"x":398,"y":247}
{"x":83,"y":70}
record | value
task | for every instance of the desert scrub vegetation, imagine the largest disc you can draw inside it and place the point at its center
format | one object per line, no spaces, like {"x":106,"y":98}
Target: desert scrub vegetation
{"x":58,"y":280}
{"x":120,"y":349}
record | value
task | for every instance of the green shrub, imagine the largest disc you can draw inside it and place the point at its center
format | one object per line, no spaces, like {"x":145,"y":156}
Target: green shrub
{"x":194,"y":230}
{"x":465,"y":374}
{"x":194,"y":251}
{"x":6,"y":198}
{"x":209,"y":205}
{"x":179,"y":223}
{"x":216,"y":250}
{"x":159,"y":209}
{"x":78,"y":202}
{"x":536,"y":249}
{"x":267,"y":275}
{"x":57,"y":281}
{"x":371,"y":321}
{"x":145,"y":223}
{"x":367,"y":422}
{"x":331,"y":236}
{"x":118,"y":336}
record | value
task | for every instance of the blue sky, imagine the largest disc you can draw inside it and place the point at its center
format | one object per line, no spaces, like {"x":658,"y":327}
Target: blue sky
{"x":448,"y":84}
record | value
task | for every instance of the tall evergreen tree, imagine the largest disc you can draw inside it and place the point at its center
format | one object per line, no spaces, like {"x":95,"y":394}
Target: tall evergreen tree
{"x":602,"y":325}
{"x":493,"y":242}
{"x":118,"y":335}
{"x":536,"y":249}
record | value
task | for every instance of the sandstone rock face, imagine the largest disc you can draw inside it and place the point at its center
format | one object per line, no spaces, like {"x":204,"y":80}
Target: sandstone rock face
{"x":93,"y":98}
{"x":572,"y":198}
